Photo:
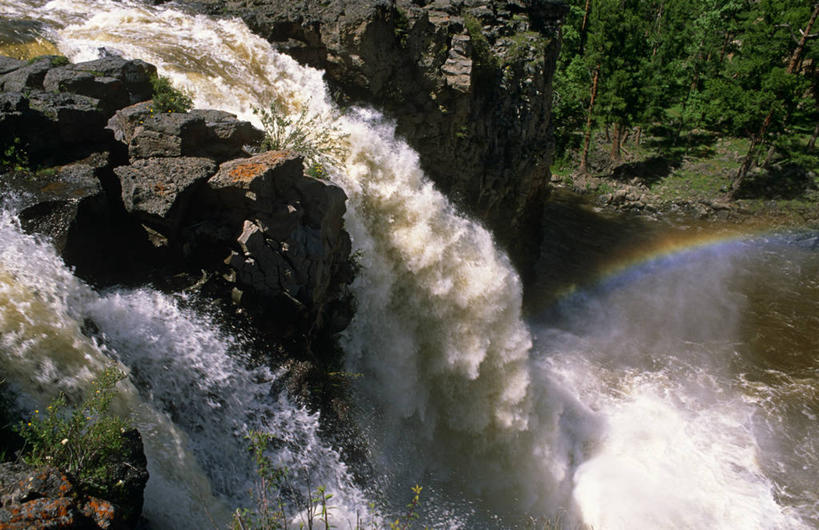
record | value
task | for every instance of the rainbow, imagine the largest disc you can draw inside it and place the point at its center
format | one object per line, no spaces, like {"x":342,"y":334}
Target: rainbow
{"x":674,"y":249}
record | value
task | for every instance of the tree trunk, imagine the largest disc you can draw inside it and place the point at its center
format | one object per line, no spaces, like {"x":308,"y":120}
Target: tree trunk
{"x":638,"y":135}
{"x":745,"y":167}
{"x":615,"y":142}
{"x":797,"y":53}
{"x":584,"y":26}
{"x":659,"y":30}
{"x":725,"y":44}
{"x":756,"y":140}
{"x":812,"y":142}
{"x":587,"y":138}
{"x":768,"y":156}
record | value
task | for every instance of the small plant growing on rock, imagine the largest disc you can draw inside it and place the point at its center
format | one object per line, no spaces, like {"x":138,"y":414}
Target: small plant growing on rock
{"x":317,"y":171}
{"x":14,"y":156}
{"x":59,"y":60}
{"x":270,"y":509}
{"x":166,"y":98}
{"x":81,"y":442}
{"x":481,"y":49}
{"x":306,"y":134}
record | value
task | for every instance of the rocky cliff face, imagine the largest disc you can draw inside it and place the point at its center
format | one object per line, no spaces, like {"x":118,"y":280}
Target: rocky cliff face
{"x":130,"y":195}
{"x":468,"y":82}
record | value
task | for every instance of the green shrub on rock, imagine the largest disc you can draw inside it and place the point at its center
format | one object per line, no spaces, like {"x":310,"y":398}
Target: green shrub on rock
{"x":311,"y":136}
{"x":166,"y":98}
{"x":84,"y":442}
{"x":13,"y":156}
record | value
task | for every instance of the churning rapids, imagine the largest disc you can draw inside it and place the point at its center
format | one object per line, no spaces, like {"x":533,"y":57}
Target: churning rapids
{"x":680,"y":390}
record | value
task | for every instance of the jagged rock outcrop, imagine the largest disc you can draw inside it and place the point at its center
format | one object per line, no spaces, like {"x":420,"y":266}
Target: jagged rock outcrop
{"x":131,"y":195}
{"x":128,"y":195}
{"x":292,"y":248}
{"x":60,"y":109}
{"x":468,"y":81}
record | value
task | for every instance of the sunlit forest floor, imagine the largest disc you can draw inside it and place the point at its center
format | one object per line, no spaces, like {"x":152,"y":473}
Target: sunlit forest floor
{"x":694,"y":172}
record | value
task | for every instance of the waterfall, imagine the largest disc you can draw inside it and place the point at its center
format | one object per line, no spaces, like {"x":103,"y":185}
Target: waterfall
{"x":188,"y":391}
{"x":452,"y":393}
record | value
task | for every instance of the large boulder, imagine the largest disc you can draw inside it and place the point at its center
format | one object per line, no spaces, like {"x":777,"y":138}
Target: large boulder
{"x":468,"y":81}
{"x":199,"y":133}
{"x":287,"y":250}
{"x":157,"y":189}
{"x":135,"y":74}
{"x":110,"y":91}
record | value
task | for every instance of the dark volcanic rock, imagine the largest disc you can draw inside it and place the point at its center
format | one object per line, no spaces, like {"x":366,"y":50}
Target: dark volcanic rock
{"x":84,"y":220}
{"x":46,"y":498}
{"x":59,"y":201}
{"x":283,"y":231}
{"x":27,"y":76}
{"x":110,"y":91}
{"x":125,"y":122}
{"x":227,"y":136}
{"x":56,"y":112}
{"x":468,"y":81}
{"x":168,"y":135}
{"x":155,"y":189}
{"x":134,"y":74}
{"x":75,"y":120}
{"x":203,"y":133}
{"x":7,"y":64}
{"x":126,"y":195}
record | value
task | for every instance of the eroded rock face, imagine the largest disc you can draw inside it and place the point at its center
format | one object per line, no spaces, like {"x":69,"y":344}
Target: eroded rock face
{"x":288,"y":251}
{"x":468,"y":81}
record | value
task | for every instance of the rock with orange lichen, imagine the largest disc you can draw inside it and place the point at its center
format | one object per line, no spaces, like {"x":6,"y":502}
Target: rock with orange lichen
{"x":40,"y":498}
{"x":281,"y":235}
{"x":43,"y":498}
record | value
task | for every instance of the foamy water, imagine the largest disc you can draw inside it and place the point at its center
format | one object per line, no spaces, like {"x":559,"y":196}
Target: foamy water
{"x":188,"y":392}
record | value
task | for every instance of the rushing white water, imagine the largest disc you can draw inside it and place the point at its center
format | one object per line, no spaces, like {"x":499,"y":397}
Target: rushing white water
{"x":632,"y":419}
{"x":188,"y":392}
{"x":662,"y":358}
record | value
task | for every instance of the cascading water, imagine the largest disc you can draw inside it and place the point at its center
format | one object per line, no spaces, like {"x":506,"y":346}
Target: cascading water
{"x":190,"y":396}
{"x":637,"y":411}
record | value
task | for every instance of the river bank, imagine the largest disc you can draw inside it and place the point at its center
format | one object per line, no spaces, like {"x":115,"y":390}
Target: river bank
{"x":692,"y":179}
